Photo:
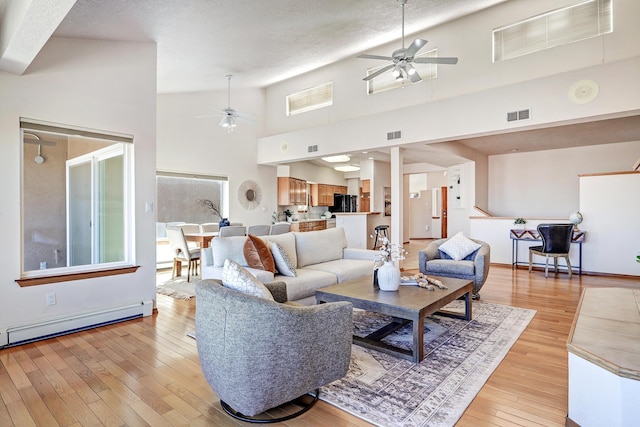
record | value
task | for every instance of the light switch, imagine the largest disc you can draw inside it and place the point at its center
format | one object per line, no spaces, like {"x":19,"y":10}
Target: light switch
{"x":148,"y":207}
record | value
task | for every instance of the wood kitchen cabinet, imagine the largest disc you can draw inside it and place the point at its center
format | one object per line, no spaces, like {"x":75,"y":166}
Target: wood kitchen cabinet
{"x":308,"y":226}
{"x":325,"y":194}
{"x":292,"y":191}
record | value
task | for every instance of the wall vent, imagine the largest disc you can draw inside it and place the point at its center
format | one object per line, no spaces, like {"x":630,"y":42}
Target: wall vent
{"x":394,"y":135}
{"x":512,"y":116}
{"x":312,"y":148}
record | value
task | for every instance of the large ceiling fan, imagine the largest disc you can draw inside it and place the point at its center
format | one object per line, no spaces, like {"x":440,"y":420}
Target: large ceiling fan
{"x":403,"y":59}
{"x":229,"y":115}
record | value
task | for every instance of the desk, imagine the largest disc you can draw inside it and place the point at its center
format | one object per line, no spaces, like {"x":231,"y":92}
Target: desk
{"x":204,"y":239}
{"x":518,"y":235}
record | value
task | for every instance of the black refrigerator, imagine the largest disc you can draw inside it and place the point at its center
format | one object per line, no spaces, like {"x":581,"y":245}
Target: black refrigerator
{"x":344,"y":203}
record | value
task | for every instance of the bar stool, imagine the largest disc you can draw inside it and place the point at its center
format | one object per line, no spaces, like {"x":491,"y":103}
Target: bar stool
{"x":381,"y":232}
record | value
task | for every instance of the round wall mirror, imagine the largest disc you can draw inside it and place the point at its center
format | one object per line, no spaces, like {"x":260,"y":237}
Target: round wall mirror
{"x":250,"y":195}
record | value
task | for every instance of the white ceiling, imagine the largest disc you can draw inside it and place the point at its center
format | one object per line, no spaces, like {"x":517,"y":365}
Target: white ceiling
{"x":258,"y":42}
{"x":266,"y":41}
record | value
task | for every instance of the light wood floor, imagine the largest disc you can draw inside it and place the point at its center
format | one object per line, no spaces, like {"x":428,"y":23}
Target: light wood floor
{"x":146,"y":372}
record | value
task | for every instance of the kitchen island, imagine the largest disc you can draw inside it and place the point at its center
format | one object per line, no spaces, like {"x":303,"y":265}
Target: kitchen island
{"x":358,"y":227}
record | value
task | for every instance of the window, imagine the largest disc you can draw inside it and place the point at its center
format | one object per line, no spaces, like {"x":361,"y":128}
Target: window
{"x":386,"y":81}
{"x":179,"y":198}
{"x":310,"y":99}
{"x":561,"y":26}
{"x":77,"y":203}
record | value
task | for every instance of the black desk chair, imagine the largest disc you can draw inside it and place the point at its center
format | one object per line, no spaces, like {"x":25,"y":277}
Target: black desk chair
{"x":556,"y":242}
{"x":381,"y":232}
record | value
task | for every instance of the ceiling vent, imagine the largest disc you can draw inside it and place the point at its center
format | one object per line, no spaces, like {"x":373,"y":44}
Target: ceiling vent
{"x":312,"y":148}
{"x":394,"y":135}
{"x":513,"y":116}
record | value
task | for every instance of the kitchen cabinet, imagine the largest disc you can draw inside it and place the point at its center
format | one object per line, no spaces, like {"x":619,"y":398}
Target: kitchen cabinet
{"x":325,"y":194}
{"x":291,"y":191}
{"x":308,"y":225}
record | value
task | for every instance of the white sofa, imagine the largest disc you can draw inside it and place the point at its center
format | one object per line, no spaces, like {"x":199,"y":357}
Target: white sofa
{"x":321,"y":258}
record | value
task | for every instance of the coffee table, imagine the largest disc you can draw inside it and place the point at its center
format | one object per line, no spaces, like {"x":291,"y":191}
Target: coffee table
{"x":409,"y":304}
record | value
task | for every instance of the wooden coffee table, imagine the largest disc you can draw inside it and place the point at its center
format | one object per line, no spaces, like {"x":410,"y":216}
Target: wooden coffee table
{"x":407,"y":304}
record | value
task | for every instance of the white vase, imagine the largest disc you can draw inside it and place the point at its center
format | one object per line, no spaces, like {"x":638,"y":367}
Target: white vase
{"x":389,"y":277}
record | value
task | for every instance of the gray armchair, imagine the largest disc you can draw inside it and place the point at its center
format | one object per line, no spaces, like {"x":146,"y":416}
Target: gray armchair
{"x":258,"y":354}
{"x":474,"y":267}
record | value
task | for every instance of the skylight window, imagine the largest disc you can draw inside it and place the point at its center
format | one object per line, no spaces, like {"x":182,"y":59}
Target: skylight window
{"x":310,"y":99}
{"x":581,"y":21}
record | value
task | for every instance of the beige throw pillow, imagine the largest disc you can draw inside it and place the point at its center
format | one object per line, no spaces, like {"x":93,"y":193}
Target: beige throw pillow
{"x":235,"y":276}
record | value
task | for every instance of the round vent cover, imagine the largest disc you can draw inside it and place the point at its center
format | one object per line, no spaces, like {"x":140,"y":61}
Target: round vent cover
{"x":583,"y":91}
{"x":284,"y":147}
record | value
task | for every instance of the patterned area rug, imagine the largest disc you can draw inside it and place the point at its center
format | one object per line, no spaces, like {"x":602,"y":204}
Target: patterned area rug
{"x":460,"y":356}
{"x":178,"y":288}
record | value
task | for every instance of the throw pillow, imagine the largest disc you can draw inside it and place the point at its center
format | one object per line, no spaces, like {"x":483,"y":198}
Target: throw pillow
{"x":281,"y":259}
{"x":235,"y":276}
{"x":459,"y":247}
{"x":258,"y":254}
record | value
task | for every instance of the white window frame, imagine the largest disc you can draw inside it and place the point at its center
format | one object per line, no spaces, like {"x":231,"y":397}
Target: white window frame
{"x":310,"y":99}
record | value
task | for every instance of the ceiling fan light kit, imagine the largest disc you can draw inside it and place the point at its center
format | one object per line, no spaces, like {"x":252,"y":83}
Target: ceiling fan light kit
{"x":403,"y":59}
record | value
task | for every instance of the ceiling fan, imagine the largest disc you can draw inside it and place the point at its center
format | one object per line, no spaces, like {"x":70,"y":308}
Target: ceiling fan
{"x":229,"y":115}
{"x":403,"y":59}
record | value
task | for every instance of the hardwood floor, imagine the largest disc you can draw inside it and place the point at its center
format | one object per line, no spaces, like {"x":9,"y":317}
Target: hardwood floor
{"x":146,"y":371}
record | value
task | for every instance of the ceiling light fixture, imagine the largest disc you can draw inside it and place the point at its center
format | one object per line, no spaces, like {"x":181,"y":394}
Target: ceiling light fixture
{"x":228,"y":122}
{"x":337,"y":159}
{"x":347,"y":168}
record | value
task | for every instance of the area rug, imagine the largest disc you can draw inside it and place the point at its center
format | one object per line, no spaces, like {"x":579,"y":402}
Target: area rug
{"x":179,"y":288}
{"x":460,"y":356}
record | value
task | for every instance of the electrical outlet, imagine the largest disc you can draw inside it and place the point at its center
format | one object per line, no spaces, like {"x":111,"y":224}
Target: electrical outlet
{"x":51,"y":298}
{"x":426,"y":228}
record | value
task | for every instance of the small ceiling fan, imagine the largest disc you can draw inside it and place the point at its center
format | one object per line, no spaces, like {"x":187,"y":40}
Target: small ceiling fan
{"x":403,"y":59}
{"x":229,"y":115}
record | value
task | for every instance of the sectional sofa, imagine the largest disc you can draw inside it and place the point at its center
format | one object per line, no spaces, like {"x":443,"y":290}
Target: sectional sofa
{"x":319,"y":259}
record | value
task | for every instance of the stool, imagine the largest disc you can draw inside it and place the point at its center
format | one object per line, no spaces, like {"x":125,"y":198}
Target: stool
{"x":381,"y":231}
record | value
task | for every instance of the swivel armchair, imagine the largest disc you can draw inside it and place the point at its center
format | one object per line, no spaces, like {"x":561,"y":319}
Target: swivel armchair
{"x":474,"y":267}
{"x":258,"y":354}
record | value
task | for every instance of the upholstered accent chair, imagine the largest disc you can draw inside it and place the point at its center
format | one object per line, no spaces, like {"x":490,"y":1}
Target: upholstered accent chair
{"x":556,"y":243}
{"x":475,"y":266}
{"x":258,"y":354}
{"x":182,"y":252}
{"x":258,"y":230}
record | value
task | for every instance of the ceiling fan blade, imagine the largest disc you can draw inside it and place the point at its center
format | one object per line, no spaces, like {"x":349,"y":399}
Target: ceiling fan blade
{"x":208,"y":115}
{"x":415,"y":77}
{"x":414,"y":47}
{"x":377,"y":73}
{"x":367,"y":56}
{"x":435,"y":60}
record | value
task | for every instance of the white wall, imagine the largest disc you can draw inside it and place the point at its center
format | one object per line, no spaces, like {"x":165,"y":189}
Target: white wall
{"x":187,"y":143}
{"x":546,"y":183}
{"x":101,"y":85}
{"x":611,"y":207}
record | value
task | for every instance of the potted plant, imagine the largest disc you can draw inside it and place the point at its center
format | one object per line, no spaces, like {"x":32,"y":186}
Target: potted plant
{"x":520,"y":223}
{"x":210,"y":206}
{"x":288,"y":214}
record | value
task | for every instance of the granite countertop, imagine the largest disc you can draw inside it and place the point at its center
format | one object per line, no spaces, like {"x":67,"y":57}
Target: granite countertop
{"x":312,"y":219}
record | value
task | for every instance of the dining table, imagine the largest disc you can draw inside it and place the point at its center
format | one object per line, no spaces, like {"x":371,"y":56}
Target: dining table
{"x":204,"y":239}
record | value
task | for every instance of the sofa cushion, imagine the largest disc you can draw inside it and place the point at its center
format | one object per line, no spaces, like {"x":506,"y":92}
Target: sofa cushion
{"x":236,"y":277}
{"x":459,"y":247}
{"x":288,"y":242}
{"x":257,"y":254}
{"x":228,"y":248}
{"x":306,"y":282}
{"x":281,"y":260}
{"x":345,"y":269}
{"x":314,"y":247}
{"x":451,"y":268}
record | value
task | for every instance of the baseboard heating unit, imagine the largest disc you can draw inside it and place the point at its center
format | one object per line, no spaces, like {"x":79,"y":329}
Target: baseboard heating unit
{"x":51,"y":328}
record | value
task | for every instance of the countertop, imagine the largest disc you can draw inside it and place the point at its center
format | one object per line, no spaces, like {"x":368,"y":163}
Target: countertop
{"x":311,"y":219}
{"x":356,"y":213}
{"x":606,"y":330}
